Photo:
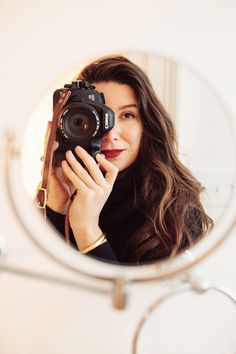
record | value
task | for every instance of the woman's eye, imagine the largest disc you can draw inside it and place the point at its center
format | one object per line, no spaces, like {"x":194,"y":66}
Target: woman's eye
{"x":128,"y":115}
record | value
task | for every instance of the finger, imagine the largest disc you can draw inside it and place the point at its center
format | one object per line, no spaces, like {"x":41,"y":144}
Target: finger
{"x":111,"y":171}
{"x":55,"y":145}
{"x":80,"y":170}
{"x":62,"y":178}
{"x":91,"y":165}
{"x":73,"y":177}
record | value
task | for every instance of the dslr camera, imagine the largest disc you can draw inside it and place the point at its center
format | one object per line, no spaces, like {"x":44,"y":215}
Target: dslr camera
{"x":83,"y":121}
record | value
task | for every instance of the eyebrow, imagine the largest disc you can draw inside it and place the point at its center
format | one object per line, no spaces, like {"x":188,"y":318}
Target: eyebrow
{"x":129,"y":106}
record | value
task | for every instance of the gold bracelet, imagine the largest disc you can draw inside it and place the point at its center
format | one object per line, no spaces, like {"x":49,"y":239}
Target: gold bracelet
{"x":97,"y":243}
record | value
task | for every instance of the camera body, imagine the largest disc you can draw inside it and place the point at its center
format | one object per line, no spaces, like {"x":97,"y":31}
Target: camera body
{"x":83,"y":121}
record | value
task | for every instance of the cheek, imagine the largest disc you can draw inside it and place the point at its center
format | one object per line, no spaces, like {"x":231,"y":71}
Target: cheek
{"x":134,"y":137}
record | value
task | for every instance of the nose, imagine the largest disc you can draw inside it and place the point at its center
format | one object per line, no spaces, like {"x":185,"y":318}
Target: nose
{"x":113,"y":134}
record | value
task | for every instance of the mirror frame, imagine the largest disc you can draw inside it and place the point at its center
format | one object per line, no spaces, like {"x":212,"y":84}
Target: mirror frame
{"x":46,"y":239}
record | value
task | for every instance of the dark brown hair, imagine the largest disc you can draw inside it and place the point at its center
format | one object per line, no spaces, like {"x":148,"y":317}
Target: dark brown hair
{"x":175,"y":217}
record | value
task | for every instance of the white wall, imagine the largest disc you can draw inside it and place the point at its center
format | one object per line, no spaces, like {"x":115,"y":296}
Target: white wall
{"x":206,"y":139}
{"x":39,"y":41}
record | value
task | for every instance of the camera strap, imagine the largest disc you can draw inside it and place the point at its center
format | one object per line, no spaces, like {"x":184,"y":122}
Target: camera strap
{"x":41,"y":194}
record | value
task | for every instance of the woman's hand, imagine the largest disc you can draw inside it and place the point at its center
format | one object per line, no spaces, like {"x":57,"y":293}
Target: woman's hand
{"x":59,"y":187}
{"x":93,"y":189}
{"x":59,"y":191}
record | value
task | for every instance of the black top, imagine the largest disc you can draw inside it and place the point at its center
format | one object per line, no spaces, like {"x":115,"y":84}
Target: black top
{"x":119,"y":220}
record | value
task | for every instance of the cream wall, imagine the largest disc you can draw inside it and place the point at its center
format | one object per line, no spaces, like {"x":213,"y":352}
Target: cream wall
{"x":39,"y":41}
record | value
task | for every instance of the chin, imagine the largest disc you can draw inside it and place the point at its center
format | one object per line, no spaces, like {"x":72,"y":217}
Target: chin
{"x":120,"y":167}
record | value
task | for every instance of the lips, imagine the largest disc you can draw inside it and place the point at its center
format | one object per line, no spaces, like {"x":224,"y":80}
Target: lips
{"x":112,"y":153}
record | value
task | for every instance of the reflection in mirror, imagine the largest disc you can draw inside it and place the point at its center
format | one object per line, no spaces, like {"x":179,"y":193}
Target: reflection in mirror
{"x":142,"y":198}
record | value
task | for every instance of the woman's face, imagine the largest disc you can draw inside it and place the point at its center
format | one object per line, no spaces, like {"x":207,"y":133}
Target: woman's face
{"x":121,"y":144}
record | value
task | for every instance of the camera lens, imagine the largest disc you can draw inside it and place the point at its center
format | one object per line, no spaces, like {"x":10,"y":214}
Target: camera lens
{"x":79,"y":122}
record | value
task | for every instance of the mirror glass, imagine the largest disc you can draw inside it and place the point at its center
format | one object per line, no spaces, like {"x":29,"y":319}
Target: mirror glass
{"x":204,"y":153}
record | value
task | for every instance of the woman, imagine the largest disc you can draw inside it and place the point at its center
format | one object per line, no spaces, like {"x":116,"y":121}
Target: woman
{"x":137,"y":202}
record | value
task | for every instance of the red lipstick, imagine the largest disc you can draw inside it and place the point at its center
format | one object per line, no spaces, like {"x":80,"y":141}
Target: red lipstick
{"x":112,"y":153}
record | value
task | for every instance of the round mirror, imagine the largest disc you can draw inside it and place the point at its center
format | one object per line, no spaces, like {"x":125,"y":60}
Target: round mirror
{"x":206,"y":148}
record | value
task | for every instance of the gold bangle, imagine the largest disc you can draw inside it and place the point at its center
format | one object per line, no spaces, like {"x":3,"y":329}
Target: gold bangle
{"x":97,"y":243}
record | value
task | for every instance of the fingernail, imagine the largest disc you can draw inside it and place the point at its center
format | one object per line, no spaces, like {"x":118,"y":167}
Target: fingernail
{"x":100,"y":155}
{"x":69,"y":153}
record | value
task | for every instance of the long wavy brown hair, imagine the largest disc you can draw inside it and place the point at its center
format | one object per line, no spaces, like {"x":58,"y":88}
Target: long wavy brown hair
{"x":175,"y":217}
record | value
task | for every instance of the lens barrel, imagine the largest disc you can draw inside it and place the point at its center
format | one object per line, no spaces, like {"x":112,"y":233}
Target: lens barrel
{"x":79,"y":122}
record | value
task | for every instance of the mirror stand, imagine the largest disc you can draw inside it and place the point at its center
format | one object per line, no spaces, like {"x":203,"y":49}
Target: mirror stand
{"x":191,"y":282}
{"x":2,"y":248}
